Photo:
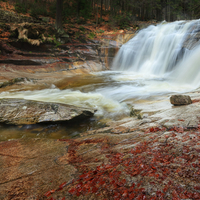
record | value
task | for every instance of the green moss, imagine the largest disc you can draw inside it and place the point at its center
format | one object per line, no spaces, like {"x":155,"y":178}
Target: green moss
{"x":92,"y":35}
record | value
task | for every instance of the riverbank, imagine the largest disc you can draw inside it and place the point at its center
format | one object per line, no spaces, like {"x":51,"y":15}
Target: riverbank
{"x":130,"y":158}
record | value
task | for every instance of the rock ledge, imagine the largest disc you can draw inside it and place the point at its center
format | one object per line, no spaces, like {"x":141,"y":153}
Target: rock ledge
{"x":21,"y":111}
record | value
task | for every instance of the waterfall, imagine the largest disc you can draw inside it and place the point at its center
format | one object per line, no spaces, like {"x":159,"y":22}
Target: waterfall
{"x":165,"y":50}
{"x":159,"y":61}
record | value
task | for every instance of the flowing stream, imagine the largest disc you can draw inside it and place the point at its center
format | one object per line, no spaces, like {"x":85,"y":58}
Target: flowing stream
{"x":159,"y":61}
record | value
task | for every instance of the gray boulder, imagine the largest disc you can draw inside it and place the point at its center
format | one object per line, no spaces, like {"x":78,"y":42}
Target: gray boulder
{"x":179,"y":100}
{"x":21,"y":111}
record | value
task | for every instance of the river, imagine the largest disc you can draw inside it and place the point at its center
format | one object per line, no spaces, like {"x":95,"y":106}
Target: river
{"x":159,"y":61}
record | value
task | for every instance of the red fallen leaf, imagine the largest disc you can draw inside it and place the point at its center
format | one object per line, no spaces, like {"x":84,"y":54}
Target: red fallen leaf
{"x":194,"y":165}
{"x":78,"y":194}
{"x":196,"y":195}
{"x":157,"y":175}
{"x":151,"y":129}
{"x":72,"y":190}
{"x":181,"y":120}
{"x":125,"y":193}
{"x":133,"y":185}
{"x":47,"y":194}
{"x":188,"y":194}
{"x":159,"y":194}
{"x":138,"y":185}
{"x":123,"y":181}
{"x":63,"y":198}
{"x":195,"y":100}
{"x":108,"y":166}
{"x":165,"y":188}
{"x":116,"y":195}
{"x":80,"y":189}
{"x":175,"y":194}
{"x":52,"y":191}
{"x":94,"y":189}
{"x":83,"y":176}
{"x":178,"y":129}
{"x":183,"y":196}
{"x":62,"y":185}
{"x":178,"y":170}
{"x":131,"y":196}
{"x":197,"y":187}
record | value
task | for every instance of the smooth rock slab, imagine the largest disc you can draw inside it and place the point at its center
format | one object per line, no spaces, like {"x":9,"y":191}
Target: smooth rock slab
{"x":21,"y":111}
{"x":31,"y":167}
{"x":179,"y":100}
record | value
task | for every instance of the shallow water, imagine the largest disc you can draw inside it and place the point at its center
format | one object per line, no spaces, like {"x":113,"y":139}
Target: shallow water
{"x":62,"y":130}
{"x":111,"y":93}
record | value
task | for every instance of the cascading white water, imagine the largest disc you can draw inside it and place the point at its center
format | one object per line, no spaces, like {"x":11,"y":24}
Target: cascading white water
{"x":157,"y":50}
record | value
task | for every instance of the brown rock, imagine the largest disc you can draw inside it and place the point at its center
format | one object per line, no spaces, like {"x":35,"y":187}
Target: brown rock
{"x":179,"y":100}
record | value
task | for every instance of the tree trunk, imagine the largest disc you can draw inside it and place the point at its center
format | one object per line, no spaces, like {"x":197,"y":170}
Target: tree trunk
{"x":78,"y":8}
{"x":97,"y":19}
{"x":59,"y":6}
{"x":101,"y":10}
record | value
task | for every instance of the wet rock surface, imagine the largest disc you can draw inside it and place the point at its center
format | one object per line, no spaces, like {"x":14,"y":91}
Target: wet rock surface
{"x":20,"y":111}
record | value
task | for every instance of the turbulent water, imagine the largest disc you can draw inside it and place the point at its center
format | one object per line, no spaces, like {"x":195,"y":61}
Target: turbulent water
{"x":158,"y":61}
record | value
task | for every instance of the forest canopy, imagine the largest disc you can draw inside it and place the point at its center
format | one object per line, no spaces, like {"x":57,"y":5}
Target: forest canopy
{"x":119,"y":12}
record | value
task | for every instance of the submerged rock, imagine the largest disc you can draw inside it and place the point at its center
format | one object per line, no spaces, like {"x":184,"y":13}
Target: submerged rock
{"x":21,"y":111}
{"x":179,"y":100}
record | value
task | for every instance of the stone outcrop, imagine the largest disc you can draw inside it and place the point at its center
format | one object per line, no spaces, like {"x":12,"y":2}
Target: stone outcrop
{"x":21,"y":111}
{"x":179,"y":100}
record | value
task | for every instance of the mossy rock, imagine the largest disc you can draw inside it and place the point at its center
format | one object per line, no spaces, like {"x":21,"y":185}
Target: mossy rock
{"x":136,"y":113}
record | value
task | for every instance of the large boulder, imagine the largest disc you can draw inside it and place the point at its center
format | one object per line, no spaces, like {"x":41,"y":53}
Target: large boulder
{"x":21,"y":111}
{"x":179,"y":100}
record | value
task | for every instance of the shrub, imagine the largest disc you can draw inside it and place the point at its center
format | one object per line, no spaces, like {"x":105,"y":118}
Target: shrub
{"x":21,"y":8}
{"x":38,"y":9}
{"x":123,"y":20}
{"x":82,"y":28}
{"x":52,"y":10}
{"x":92,"y":35}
